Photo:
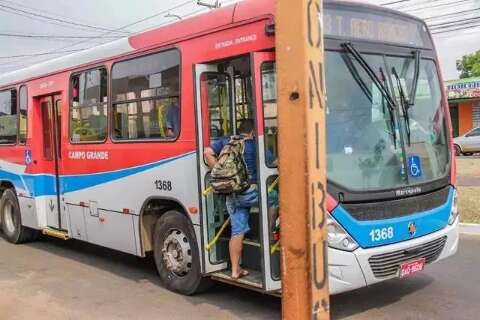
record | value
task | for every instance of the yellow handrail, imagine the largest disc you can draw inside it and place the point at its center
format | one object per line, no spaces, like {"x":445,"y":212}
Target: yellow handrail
{"x":217,"y":236}
{"x":275,"y":247}
{"x":273,"y":184}
{"x":207,"y":191}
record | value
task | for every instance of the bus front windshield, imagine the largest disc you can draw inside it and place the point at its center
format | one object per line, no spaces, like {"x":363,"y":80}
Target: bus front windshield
{"x":374,"y":144}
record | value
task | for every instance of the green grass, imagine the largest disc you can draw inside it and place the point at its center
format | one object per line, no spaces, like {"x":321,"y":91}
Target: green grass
{"x":469,"y":204}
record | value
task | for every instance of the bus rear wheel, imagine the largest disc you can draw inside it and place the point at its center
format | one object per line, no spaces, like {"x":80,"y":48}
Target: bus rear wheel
{"x":176,"y":254}
{"x":11,"y":220}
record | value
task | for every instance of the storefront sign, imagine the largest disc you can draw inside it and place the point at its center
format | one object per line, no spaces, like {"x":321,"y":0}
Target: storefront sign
{"x":464,"y":89}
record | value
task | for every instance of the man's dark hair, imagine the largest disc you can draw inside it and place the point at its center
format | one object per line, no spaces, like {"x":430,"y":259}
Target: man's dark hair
{"x":246,"y":126}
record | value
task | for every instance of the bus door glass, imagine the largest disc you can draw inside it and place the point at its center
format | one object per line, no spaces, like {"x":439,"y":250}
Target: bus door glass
{"x":214,"y":120}
{"x":51,"y":111}
{"x":264,"y":74}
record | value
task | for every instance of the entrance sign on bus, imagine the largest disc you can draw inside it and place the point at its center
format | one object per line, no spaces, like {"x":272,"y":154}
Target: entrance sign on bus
{"x":236,"y":41}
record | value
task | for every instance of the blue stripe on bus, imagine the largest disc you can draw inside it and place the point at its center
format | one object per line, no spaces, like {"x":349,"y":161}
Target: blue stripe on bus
{"x":366,"y":234}
{"x":44,"y":185}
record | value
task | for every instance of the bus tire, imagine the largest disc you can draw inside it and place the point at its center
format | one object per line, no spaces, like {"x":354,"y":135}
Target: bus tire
{"x":176,"y":254}
{"x":11,"y":220}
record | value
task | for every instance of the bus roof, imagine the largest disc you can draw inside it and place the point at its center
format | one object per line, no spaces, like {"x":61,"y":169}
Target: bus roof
{"x":171,"y":33}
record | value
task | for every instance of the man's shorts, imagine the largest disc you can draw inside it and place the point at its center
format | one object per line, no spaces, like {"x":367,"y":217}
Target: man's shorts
{"x":238,"y":207}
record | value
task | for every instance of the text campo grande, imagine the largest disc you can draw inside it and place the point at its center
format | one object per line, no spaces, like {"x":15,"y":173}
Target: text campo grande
{"x":88,"y":155}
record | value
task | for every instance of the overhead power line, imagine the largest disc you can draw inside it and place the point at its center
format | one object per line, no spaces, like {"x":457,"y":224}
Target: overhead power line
{"x":455,"y":14}
{"x":33,"y":14}
{"x":414,"y":4}
{"x":62,"y":49}
{"x":41,"y":54}
{"x":454,"y":3}
{"x":49,"y":13}
{"x":39,"y":36}
{"x":471,"y":27}
{"x":59,"y":50}
{"x":454,"y":22}
{"x":394,"y":2}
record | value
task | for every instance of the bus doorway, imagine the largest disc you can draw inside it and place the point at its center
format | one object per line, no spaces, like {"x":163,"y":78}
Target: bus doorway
{"x":228,"y":92}
{"x":51,"y":115}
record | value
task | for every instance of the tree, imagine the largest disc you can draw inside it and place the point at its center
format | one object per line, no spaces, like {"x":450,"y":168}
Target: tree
{"x":469,"y":66}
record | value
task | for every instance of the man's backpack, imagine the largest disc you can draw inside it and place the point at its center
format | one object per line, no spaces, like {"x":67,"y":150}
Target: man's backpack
{"x":230,"y":174}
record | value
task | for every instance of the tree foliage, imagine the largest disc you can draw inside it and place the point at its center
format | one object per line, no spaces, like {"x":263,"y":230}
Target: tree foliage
{"x":469,"y":65}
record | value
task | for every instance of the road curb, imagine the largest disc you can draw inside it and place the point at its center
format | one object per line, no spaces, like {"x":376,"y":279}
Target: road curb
{"x":470,"y":228}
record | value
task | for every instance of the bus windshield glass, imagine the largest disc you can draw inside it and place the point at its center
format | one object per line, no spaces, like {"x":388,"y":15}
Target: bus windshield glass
{"x":365,"y":151}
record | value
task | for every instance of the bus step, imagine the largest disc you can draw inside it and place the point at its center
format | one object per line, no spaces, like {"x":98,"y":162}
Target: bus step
{"x":55,"y":233}
{"x":253,"y":280}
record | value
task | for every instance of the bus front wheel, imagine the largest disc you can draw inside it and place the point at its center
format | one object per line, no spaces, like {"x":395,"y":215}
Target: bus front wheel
{"x":11,"y":220}
{"x":176,"y":254}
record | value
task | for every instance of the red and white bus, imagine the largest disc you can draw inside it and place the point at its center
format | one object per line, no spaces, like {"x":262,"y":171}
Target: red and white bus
{"x":106,"y":146}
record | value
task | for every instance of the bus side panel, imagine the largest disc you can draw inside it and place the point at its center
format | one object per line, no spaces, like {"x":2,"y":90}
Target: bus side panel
{"x":12,"y":170}
{"x":28,"y":212}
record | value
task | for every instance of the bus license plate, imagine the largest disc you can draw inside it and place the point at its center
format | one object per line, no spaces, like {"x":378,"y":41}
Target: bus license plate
{"x":409,"y":268}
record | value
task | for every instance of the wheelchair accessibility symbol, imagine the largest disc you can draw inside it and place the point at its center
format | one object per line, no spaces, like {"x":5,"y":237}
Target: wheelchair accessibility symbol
{"x":414,"y":166}
{"x":28,"y":157}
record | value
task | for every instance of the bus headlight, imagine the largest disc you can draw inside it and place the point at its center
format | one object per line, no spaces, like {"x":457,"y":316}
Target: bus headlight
{"x":454,"y":211}
{"x":338,"y":238}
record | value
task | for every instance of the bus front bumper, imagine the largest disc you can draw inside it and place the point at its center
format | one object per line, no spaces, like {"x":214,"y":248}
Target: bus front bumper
{"x":352,"y":270}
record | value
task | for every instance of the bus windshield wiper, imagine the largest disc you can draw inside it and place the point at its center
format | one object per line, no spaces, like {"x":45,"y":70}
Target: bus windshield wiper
{"x":356,"y":76}
{"x":404,"y":103}
{"x":381,"y":87}
{"x":416,"y":75}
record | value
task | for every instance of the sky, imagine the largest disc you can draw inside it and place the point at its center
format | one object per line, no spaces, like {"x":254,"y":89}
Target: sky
{"x":106,"y":20}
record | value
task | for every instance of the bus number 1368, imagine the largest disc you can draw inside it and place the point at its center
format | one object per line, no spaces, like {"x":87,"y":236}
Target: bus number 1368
{"x":381,"y":234}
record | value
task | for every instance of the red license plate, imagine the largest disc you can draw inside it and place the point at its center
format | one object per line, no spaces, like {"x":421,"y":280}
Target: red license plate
{"x":409,"y":268}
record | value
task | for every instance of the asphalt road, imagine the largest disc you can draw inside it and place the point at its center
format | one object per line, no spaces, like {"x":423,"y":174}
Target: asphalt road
{"x":72,"y":280}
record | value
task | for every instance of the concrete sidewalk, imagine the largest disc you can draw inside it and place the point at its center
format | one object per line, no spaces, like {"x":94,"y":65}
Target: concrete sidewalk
{"x":470,"y":228}
{"x":468,"y":181}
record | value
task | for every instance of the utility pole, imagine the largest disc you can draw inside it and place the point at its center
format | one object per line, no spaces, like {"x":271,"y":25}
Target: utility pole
{"x":302,"y":160}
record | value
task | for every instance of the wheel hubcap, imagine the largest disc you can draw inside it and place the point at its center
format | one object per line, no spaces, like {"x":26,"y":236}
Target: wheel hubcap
{"x":9,"y":217}
{"x":177,"y":253}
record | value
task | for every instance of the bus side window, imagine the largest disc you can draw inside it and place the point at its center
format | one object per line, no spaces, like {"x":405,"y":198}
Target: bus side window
{"x":269,"y":94}
{"x":8,"y":116}
{"x":88,"y":106}
{"x":146,"y":97}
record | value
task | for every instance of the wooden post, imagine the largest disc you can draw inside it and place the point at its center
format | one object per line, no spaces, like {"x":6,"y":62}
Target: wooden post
{"x":302,"y":160}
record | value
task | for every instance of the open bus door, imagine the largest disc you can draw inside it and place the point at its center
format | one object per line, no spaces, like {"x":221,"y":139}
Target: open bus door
{"x":51,"y":114}
{"x":213,"y":95}
{"x":265,"y":91}
{"x":223,"y":99}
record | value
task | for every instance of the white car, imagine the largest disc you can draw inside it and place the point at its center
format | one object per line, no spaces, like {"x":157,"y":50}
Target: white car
{"x":468,"y":144}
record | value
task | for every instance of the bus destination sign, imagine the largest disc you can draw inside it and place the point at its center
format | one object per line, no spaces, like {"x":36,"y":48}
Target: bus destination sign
{"x":375,"y":26}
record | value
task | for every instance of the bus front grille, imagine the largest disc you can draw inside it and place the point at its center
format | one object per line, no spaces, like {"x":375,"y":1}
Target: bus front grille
{"x":387,"y":264}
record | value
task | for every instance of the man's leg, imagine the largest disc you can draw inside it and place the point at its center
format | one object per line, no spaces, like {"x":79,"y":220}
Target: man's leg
{"x":236,"y":246}
{"x":239,"y":214}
